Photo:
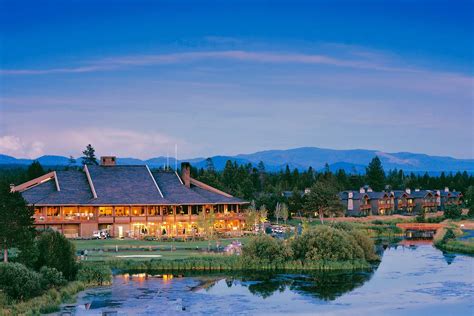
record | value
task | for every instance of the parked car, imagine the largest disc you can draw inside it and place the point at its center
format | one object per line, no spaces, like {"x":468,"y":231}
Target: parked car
{"x":101,"y":234}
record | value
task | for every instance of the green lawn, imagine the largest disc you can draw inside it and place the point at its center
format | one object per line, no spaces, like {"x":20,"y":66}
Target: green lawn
{"x":167,"y":255}
{"x":130,"y":244}
{"x":100,"y":250}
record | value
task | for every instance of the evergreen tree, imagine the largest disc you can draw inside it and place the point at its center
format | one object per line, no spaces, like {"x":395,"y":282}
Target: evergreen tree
{"x":469,"y":200}
{"x":375,"y":174}
{"x":324,"y":199}
{"x":35,"y":170}
{"x":89,"y":156}
{"x":210,"y":165}
{"x":16,"y":220}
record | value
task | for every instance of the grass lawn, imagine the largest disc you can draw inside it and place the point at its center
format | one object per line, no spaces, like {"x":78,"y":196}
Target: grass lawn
{"x":105,"y":249}
{"x":130,"y":244}
{"x":167,"y":255}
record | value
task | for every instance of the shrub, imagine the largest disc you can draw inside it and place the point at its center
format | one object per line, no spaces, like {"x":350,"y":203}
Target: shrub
{"x":326,"y":243}
{"x":265,"y":250}
{"x":343,"y":226}
{"x":18,"y":282}
{"x":365,"y":243}
{"x":449,"y":235}
{"x":55,"y":251}
{"x":453,"y":212}
{"x":51,"y":278}
{"x":95,"y":274}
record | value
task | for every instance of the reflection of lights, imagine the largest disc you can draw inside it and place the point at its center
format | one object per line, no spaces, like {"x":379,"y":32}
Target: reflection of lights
{"x":167,"y":277}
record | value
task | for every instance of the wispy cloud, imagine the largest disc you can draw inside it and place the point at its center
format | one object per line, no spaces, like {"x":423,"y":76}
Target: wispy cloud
{"x":233,"y":55}
{"x":121,"y":142}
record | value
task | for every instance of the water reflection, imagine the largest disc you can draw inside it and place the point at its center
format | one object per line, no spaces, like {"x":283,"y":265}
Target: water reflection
{"x":411,"y":279}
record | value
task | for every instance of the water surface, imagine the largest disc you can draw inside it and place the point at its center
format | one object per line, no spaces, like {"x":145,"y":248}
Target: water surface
{"x":410,"y":280}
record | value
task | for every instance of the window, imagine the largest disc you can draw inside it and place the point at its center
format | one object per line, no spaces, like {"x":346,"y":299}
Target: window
{"x":122,"y":211}
{"x":53,"y":211}
{"x":232,"y":208}
{"x":69,"y":211}
{"x":195,"y":209}
{"x":38,"y":211}
{"x":220,"y":208}
{"x":182,"y":210}
{"x":86,"y":211}
{"x":105,"y":211}
{"x":168,"y":210}
{"x":138,"y":210}
{"x":152,"y":211}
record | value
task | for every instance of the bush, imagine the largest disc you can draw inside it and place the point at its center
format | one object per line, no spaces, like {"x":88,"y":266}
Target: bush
{"x":51,"y":278}
{"x":453,"y":212}
{"x":343,"y":226}
{"x":449,"y":235}
{"x":365,"y":243}
{"x":55,"y":251}
{"x":18,"y":282}
{"x":265,"y":250}
{"x":326,"y":243}
{"x":95,"y":274}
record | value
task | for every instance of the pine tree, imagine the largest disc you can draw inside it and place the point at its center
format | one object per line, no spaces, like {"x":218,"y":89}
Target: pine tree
{"x":324,"y":199}
{"x":16,"y":220}
{"x":35,"y":170}
{"x":89,"y":156}
{"x":375,"y":174}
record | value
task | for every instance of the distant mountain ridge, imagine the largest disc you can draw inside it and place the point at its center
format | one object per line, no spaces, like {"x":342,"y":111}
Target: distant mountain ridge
{"x":353,"y":160}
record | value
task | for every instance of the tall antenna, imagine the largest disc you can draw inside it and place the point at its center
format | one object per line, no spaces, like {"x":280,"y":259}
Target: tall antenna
{"x":175,"y":157}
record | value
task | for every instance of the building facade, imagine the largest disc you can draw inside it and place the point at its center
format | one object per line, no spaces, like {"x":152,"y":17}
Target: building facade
{"x":367,"y":202}
{"x":130,"y":201}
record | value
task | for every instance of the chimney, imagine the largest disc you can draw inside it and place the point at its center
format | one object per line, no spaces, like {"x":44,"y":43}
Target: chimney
{"x":350,"y":195}
{"x":108,"y":161}
{"x":12,"y":187}
{"x":186,"y":173}
{"x":362,"y":190}
{"x":446,"y":189}
{"x":408,"y":190}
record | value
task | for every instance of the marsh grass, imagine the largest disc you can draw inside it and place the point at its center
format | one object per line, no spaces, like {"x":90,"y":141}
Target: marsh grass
{"x":49,"y":302}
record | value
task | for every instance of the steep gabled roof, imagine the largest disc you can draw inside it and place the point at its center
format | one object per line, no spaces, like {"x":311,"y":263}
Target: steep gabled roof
{"x":125,"y":185}
{"x":421,"y":193}
{"x":174,"y":190}
{"x":73,"y":185}
{"x":119,"y":185}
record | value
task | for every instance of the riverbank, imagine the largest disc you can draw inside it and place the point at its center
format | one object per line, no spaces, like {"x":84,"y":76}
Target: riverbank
{"x":461,"y":242}
{"x":48,"y":302}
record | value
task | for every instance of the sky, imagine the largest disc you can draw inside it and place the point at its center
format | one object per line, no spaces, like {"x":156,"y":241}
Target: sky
{"x":134,"y":78}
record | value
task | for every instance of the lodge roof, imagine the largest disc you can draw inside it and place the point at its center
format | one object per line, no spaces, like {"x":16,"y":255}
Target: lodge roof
{"x":119,"y":185}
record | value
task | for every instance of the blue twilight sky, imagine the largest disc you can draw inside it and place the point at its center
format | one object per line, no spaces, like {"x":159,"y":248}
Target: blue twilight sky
{"x":225,"y":77}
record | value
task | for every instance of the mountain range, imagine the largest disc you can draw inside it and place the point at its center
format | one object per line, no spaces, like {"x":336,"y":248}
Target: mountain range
{"x":353,"y":161}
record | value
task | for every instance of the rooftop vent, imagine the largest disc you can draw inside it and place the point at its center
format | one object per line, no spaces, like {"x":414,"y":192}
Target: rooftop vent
{"x":108,"y":161}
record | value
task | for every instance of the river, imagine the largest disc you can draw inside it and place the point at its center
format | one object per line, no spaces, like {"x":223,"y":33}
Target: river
{"x":410,"y":280}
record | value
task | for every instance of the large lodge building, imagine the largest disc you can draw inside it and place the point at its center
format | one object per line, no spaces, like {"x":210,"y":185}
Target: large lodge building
{"x":129,"y":201}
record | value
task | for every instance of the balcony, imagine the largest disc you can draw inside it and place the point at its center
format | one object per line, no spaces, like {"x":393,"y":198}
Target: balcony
{"x":106,"y":219}
{"x":385,"y":205}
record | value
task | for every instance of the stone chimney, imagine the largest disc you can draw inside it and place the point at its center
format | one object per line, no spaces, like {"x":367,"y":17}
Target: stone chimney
{"x":408,"y":190}
{"x":186,"y":173}
{"x":108,"y":161}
